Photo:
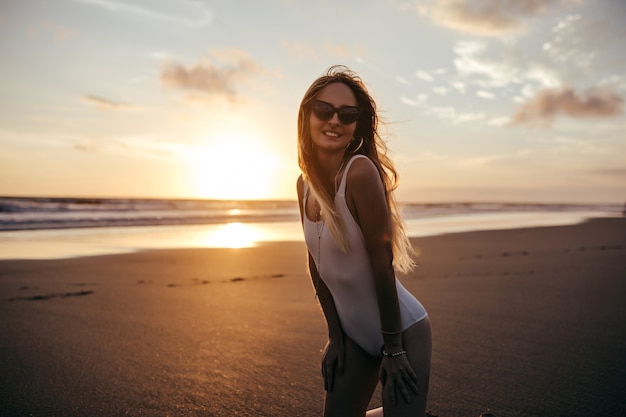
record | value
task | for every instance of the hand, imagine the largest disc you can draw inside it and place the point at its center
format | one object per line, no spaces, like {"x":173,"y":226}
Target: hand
{"x":396,"y":375}
{"x":332,"y":361}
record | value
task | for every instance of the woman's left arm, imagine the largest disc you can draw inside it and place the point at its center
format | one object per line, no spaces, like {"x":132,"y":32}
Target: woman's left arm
{"x":367,"y":196}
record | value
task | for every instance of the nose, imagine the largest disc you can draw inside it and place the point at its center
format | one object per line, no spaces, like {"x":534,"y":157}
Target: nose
{"x":334,"y":120}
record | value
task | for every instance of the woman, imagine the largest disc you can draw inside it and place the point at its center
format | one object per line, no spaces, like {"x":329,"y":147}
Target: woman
{"x":355,"y":238}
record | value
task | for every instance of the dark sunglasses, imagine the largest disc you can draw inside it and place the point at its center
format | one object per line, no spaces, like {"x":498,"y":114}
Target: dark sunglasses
{"x":325,"y":111}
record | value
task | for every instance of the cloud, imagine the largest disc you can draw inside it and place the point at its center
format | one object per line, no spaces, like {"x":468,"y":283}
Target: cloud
{"x":565,"y":45}
{"x":443,"y":113}
{"x":471,"y":62}
{"x":498,"y":121}
{"x":487,"y":17}
{"x":486,"y":95}
{"x":197,"y":15}
{"x":501,"y":159}
{"x":218,"y":75}
{"x":400,"y":79}
{"x":451,"y":114}
{"x":105,"y":104}
{"x":409,"y":101}
{"x":133,"y":146}
{"x":419,"y":100}
{"x":593,"y":102}
{"x":424,"y":76}
{"x":476,"y":65}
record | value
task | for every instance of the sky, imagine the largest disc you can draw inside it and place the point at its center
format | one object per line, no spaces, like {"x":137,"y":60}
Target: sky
{"x":483,"y":100}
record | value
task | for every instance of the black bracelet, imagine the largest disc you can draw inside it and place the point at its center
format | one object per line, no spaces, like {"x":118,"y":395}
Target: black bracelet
{"x":392,"y":333}
{"x":393,"y":355}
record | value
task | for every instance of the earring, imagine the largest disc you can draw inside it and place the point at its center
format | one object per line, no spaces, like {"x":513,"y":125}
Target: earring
{"x":357,"y":148}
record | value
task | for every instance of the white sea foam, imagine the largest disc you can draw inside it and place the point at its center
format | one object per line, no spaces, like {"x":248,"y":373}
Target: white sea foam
{"x":37,"y":228}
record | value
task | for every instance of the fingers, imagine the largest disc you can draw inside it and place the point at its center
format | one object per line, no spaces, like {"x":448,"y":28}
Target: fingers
{"x":399,"y":384}
{"x":404,"y":391}
{"x":328,"y":373}
{"x":394,"y":398}
{"x":412,"y":381}
{"x":330,"y":377}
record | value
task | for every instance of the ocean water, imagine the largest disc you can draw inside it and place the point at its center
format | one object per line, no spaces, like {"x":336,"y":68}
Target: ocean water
{"x":44,"y":228}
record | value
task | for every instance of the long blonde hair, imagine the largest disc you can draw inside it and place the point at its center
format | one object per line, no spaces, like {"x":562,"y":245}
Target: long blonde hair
{"x":373,"y":147}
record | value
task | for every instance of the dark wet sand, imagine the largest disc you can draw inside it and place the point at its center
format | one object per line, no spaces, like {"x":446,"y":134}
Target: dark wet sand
{"x":527,"y":322}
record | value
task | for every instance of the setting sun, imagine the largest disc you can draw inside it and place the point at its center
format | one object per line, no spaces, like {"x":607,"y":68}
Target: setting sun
{"x":234,"y":166}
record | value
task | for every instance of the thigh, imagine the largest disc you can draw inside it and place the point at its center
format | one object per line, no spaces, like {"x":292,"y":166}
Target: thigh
{"x":417,"y":341}
{"x":353,"y":389}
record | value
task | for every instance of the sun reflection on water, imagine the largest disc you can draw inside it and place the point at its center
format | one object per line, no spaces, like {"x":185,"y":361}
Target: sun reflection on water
{"x":230,"y":235}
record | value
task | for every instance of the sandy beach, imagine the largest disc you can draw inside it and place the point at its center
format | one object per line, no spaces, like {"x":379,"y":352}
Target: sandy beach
{"x":526,"y":322}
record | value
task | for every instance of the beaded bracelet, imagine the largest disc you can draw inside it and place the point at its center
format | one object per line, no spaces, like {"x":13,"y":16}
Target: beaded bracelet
{"x":393,"y":355}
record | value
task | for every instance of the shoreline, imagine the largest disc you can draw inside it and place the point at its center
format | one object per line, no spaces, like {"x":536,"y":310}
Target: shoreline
{"x":525,"y":322}
{"x":77,"y":242}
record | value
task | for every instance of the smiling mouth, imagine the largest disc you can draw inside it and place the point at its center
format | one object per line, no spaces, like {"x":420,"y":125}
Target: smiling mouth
{"x":332,"y":134}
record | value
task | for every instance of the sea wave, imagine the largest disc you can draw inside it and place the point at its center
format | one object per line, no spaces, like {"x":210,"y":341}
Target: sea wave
{"x":24,"y":213}
{"x":67,"y":213}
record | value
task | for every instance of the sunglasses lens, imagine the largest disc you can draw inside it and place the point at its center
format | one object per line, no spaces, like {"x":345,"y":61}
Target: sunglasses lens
{"x":348,"y":115}
{"x":325,"y":111}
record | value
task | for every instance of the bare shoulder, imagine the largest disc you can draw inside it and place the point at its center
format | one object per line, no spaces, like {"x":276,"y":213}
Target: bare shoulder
{"x":300,"y":183}
{"x":363,"y":173}
{"x":300,"y":188}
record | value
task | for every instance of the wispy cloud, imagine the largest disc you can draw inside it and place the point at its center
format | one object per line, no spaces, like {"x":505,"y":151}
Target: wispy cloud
{"x":424,"y":76}
{"x":420,"y":99}
{"x":486,"y":17}
{"x":547,"y":104}
{"x":447,"y":113}
{"x":197,"y":15}
{"x":454,"y":116}
{"x":219,"y":75}
{"x":138,"y":147}
{"x":400,"y":79}
{"x":502,"y":159}
{"x":498,"y":121}
{"x":141,"y":147}
{"x":476,"y":65}
{"x":486,"y":95}
{"x":471,"y":61}
{"x":106,"y":104}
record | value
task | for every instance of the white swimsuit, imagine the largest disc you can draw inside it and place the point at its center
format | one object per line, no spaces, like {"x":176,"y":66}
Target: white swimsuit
{"x":350,"y":278}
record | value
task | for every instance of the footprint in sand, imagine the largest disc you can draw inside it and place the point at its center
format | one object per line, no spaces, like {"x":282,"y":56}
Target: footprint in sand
{"x":50,"y":296}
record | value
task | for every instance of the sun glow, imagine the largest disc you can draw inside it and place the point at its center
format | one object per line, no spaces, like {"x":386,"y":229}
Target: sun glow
{"x":230,"y":235}
{"x":234,"y":166}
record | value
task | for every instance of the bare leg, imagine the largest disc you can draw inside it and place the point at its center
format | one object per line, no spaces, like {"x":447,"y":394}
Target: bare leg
{"x":375,"y":412}
{"x":353,"y":389}
{"x":417,"y":342}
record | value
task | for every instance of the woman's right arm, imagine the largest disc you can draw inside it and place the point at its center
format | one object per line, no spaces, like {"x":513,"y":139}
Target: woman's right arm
{"x":333,"y":356}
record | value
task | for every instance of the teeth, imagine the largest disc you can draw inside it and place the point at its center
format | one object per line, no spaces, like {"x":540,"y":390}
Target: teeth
{"x":333,"y":134}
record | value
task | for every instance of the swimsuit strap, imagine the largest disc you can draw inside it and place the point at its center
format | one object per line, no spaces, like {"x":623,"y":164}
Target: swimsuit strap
{"x":342,"y":185}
